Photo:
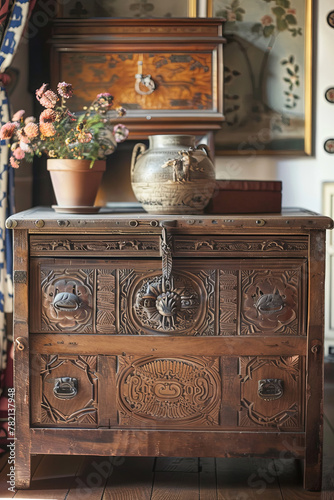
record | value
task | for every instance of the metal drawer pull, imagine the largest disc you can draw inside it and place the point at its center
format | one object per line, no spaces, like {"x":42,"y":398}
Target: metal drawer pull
{"x":65,"y":387}
{"x":270,"y":303}
{"x":65,"y":301}
{"x":20,"y":343}
{"x":270,"y":389}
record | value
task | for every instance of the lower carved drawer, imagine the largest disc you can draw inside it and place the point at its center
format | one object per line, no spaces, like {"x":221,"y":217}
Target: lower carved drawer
{"x":225,"y":392}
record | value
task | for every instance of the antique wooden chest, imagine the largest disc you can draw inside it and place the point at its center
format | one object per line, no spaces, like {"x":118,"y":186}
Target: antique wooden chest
{"x":169,"y":336}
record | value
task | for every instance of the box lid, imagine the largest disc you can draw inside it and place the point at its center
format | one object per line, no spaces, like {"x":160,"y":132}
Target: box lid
{"x":244,"y":185}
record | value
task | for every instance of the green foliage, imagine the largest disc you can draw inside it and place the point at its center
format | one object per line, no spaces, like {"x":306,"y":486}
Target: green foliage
{"x":290,"y":19}
{"x":292,"y":79}
{"x":239,"y":14}
{"x":283,"y":3}
{"x":268,"y":31}
{"x":285,"y":20}
{"x":233,"y":8}
{"x":278,"y":11}
{"x":257,"y":28}
{"x":282,"y":25}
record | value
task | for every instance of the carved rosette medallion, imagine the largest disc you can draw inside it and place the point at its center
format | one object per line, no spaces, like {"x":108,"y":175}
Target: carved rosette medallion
{"x":81,"y":409}
{"x":179,"y":309}
{"x":270,"y":301}
{"x":283,"y":412}
{"x":78,"y":283}
{"x":169,"y":392}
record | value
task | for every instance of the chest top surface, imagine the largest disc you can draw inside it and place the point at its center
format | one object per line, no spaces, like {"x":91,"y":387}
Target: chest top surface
{"x":290,"y":220}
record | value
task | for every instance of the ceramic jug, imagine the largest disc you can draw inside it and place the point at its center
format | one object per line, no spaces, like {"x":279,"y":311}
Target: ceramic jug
{"x":172,"y":176}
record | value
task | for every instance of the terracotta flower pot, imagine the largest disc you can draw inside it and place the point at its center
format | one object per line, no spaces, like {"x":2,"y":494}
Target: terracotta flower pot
{"x":75,"y":184}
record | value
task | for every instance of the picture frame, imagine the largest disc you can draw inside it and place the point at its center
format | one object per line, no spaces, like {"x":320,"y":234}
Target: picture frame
{"x":126,"y":8}
{"x":267,"y":77}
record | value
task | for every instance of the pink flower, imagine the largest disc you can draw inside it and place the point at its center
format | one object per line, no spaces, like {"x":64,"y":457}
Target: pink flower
{"x":23,"y":136}
{"x":105,"y":95}
{"x":13,"y":163}
{"x":18,"y":115}
{"x":105,"y":100}
{"x":47,"y":116}
{"x":7,"y":130}
{"x":29,"y":119}
{"x":48,"y":99}
{"x":19,"y":153}
{"x":267,"y":20}
{"x":292,"y":11}
{"x":41,"y":91}
{"x":47,"y":129}
{"x":120,"y":132}
{"x":31,"y":130}
{"x":84,"y":137}
{"x":65,"y":90}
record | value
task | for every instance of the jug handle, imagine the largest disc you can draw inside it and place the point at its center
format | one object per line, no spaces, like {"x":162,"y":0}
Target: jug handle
{"x":138,"y":150}
{"x":205,"y":148}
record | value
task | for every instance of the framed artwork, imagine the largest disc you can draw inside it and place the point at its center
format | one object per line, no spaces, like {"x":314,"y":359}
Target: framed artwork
{"x":267,"y":77}
{"x":127,"y":8}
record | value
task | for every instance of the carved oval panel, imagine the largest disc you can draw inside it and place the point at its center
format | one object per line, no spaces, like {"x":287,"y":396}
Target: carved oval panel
{"x":179,"y":309}
{"x":169,"y":391}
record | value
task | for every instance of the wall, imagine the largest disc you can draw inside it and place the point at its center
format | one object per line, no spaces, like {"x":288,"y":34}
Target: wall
{"x":20,"y":98}
{"x":302,"y":177}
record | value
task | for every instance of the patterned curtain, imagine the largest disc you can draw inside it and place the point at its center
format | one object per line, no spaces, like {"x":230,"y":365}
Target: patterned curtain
{"x":13,"y":18}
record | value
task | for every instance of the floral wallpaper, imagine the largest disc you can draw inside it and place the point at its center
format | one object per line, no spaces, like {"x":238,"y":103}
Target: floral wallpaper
{"x":264,"y":75}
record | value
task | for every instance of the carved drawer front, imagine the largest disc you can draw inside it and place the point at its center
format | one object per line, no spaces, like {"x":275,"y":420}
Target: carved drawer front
{"x":168,"y":392}
{"x":263,"y":392}
{"x":70,"y":391}
{"x":201,"y":297}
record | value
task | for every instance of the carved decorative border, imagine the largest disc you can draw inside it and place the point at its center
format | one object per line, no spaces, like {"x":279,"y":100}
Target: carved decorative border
{"x":228,"y":302}
{"x":106,"y":301}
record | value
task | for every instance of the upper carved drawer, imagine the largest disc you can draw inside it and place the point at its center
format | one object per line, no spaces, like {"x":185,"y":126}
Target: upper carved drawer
{"x":200,"y":297}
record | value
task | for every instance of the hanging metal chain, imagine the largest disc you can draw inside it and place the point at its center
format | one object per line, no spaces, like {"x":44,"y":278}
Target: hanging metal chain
{"x":167,"y":260}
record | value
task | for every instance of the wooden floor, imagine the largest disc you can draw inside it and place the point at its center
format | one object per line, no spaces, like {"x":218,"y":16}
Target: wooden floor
{"x":97,"y":478}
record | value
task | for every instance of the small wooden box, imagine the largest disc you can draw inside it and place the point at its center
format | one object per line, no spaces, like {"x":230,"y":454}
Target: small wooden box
{"x":245,"y":197}
{"x":183,"y":57}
